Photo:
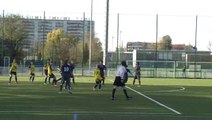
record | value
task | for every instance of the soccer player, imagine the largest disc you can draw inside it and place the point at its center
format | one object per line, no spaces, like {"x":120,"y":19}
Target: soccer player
{"x":59,"y":69}
{"x":66,"y":76}
{"x":45,"y":68}
{"x":51,"y":75}
{"x":13,"y":71}
{"x":184,"y":71}
{"x":120,"y":80}
{"x":72,"y":71}
{"x":98,"y":78}
{"x":32,"y":72}
{"x":137,"y":73}
{"x":102,"y":69}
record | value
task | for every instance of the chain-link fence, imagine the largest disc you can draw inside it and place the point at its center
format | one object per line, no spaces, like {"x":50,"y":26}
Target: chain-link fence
{"x":150,"y":69}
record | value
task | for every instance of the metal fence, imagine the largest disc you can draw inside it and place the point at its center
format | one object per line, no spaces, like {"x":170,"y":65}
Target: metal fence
{"x":174,"y":69}
{"x":149,"y":69}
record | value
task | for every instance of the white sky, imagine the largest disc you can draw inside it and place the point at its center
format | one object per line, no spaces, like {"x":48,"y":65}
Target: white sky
{"x":137,"y":18}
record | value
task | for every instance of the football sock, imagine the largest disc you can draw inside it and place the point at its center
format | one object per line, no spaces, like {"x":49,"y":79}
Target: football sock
{"x":113,"y":92}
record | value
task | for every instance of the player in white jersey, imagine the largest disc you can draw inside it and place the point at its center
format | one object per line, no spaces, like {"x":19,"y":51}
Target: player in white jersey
{"x":120,"y":80}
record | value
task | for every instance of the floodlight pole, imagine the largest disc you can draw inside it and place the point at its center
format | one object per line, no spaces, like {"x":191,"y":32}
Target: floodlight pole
{"x":195,"y":67}
{"x":2,"y":41}
{"x":117,"y":59}
{"x":44,"y":17}
{"x":106,"y":35}
{"x":83,"y":44}
{"x":121,"y":47}
{"x":156,"y":46}
{"x":91,"y":36}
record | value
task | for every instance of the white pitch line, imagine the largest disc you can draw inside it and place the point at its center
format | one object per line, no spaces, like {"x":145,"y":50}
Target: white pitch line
{"x":89,"y":112}
{"x":176,"y":90}
{"x":124,"y":113}
{"x":154,"y":101}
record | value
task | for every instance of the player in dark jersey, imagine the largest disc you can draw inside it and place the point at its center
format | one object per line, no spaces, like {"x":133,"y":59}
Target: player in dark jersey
{"x":102,"y":69}
{"x":72,"y":71}
{"x":59,"y":69}
{"x":66,"y":76}
{"x":137,"y":73}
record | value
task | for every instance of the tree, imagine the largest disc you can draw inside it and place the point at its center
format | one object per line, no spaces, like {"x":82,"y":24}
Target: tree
{"x":59,"y":44}
{"x":96,"y":45}
{"x":97,"y":50}
{"x":165,"y":43}
{"x":14,"y":35}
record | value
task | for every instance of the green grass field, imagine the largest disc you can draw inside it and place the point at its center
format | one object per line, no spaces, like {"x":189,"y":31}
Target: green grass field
{"x":156,"y":99}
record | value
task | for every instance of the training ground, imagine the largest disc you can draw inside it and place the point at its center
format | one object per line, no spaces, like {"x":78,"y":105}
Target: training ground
{"x":155,"y":99}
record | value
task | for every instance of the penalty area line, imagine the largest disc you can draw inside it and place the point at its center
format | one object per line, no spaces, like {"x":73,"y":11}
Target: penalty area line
{"x":171,"y":109}
{"x":84,"y":113}
{"x":76,"y":113}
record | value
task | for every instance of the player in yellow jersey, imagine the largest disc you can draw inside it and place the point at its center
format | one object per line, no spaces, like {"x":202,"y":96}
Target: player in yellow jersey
{"x":13,"y":71}
{"x":98,"y":78}
{"x":51,"y":75}
{"x":32,"y":72}
{"x":45,"y":69}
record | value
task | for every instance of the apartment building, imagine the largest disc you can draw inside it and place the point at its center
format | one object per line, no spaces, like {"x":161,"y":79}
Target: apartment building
{"x":39,"y":28}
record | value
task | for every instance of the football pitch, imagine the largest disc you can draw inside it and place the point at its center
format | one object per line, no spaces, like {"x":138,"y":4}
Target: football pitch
{"x":155,"y":99}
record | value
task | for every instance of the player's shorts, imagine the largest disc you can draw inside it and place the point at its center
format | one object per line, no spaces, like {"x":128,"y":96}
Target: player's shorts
{"x":72,"y":75}
{"x":52,"y":76}
{"x":98,"y":81}
{"x":13,"y":73}
{"x":33,"y":74}
{"x":137,"y":76}
{"x":46,"y":72}
{"x":118,"y":82}
{"x":102,"y":74}
{"x":66,"y":78}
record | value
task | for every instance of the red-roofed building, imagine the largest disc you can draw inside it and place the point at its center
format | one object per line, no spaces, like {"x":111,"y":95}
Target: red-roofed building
{"x":178,"y":46}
